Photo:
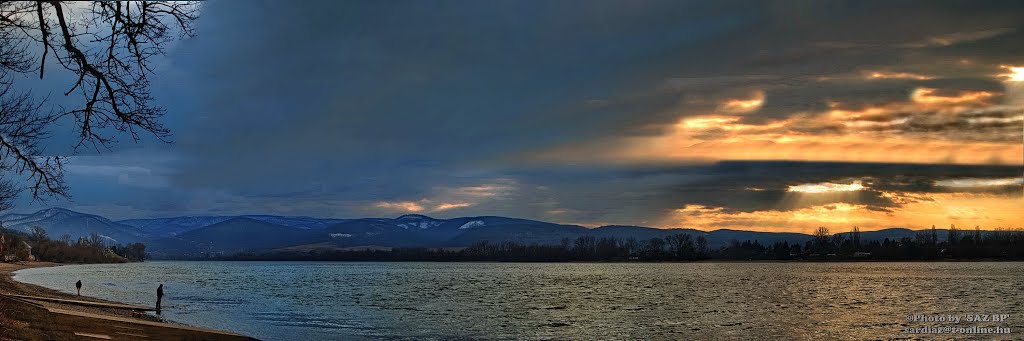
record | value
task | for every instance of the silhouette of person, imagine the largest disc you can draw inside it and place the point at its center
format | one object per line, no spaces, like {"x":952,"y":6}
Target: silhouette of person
{"x":78,"y":285}
{"x":159,"y":296}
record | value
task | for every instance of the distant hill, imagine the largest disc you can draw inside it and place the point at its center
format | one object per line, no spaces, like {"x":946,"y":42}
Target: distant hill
{"x":229,"y":234}
{"x":167,"y":227}
{"x":58,"y":222}
{"x":233,"y":235}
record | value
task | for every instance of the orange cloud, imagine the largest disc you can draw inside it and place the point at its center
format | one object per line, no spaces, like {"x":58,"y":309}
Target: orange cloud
{"x":764,"y":144}
{"x":921,"y":130}
{"x":448,"y":206}
{"x":449,"y":198}
{"x":931,"y":96}
{"x":738,"y":106}
{"x":483,"y":191}
{"x":403,"y":206}
{"x":894,"y":75}
{"x":930,"y":126}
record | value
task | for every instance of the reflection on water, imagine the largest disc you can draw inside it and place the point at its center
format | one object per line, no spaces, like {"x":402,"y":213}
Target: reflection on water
{"x":310,"y":300}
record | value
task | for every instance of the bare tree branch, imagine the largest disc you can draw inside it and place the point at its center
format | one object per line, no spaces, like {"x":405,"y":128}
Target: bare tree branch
{"x":45,"y":31}
{"x":23,"y":126}
{"x":109,"y":49}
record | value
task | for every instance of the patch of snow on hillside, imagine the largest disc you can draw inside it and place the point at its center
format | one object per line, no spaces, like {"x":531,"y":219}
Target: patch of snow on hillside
{"x":422,"y":225}
{"x":472,"y":224}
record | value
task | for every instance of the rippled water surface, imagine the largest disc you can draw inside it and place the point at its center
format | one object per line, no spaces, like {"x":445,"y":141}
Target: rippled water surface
{"x":321,"y":300}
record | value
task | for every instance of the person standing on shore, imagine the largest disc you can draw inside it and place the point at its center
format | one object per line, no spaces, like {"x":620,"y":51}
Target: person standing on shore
{"x":78,"y":286}
{"x":159,"y":296}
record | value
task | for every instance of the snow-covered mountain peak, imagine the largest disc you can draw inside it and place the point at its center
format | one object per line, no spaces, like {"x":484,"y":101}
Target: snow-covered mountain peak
{"x":472,"y":224}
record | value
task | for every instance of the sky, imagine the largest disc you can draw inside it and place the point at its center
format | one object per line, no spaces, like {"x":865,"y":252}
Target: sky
{"x":754,"y":115}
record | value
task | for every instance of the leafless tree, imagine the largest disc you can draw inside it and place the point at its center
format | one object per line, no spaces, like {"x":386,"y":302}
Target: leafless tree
{"x":39,"y":234}
{"x":821,"y":237}
{"x":109,"y":48}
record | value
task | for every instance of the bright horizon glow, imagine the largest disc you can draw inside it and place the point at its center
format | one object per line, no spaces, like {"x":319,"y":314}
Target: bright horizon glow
{"x":1015,"y":74}
{"x":826,"y":187}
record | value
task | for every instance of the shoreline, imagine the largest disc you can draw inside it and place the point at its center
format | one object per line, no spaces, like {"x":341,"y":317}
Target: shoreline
{"x":65,"y":316}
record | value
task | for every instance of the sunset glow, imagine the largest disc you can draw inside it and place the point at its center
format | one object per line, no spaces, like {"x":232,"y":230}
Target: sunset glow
{"x":929,"y":126}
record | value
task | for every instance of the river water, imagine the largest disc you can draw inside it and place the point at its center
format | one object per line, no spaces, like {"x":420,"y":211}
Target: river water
{"x":351,"y":301}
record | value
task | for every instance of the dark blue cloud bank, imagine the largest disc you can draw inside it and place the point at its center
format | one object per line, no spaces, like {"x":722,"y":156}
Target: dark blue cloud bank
{"x":344,"y":109}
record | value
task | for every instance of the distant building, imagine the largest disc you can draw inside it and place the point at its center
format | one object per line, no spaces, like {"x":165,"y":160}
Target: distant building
{"x":28,"y":248}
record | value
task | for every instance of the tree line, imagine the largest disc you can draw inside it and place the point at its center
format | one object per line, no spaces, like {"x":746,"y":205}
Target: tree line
{"x":924,"y":245}
{"x":92,"y":249}
{"x":678,"y":247}
{"x":1002,"y":244}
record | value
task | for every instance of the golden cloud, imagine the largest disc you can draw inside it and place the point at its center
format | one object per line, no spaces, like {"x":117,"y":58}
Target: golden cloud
{"x":739,"y":106}
{"x":448,"y":206}
{"x":895,"y":75}
{"x":770,"y":145}
{"x":932,"y":96}
{"x":931,"y":126}
{"x":403,"y":206}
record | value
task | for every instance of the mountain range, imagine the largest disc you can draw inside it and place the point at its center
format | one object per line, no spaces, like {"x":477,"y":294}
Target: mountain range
{"x":190,"y":235}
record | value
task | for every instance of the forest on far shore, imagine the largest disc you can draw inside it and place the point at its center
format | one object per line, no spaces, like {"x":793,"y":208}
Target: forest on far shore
{"x":1001,"y":244}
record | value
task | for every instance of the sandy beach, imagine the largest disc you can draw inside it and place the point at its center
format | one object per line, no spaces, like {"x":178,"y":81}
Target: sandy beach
{"x":30,"y":312}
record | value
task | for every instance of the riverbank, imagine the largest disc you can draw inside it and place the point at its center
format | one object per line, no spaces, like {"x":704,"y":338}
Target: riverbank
{"x":31,"y":312}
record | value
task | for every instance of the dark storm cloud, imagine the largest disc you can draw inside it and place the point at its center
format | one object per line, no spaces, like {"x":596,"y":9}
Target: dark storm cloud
{"x":323,"y":108}
{"x":450,"y":81}
{"x":397,"y":96}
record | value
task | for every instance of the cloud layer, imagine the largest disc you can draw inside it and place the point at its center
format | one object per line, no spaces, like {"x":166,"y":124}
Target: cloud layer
{"x":665,"y":113}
